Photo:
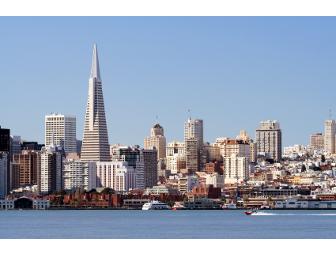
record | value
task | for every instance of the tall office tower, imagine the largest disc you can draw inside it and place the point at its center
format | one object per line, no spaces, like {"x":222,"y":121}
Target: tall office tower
{"x":14,"y":175}
{"x":117,"y":175}
{"x":29,"y":164}
{"x":269,"y":140}
{"x":317,"y":141}
{"x":156,"y":140}
{"x":61,"y":130}
{"x":235,"y":169}
{"x":5,"y":147}
{"x":50,"y":175}
{"x":150,"y":167}
{"x":4,"y":140}
{"x":79,"y":174}
{"x":95,"y":145}
{"x":193,"y":129}
{"x":191,"y":155}
{"x":175,"y":157}
{"x":329,"y":136}
{"x":3,"y":173}
{"x":16,"y":145}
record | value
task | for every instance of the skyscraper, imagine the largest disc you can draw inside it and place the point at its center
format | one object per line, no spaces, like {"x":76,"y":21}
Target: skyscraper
{"x":269,"y":140}
{"x":193,"y":133}
{"x":95,"y":146}
{"x":156,"y":140}
{"x":329,"y":136}
{"x":5,"y":151}
{"x":49,"y":177}
{"x":28,"y":164}
{"x":3,"y":174}
{"x":61,"y":130}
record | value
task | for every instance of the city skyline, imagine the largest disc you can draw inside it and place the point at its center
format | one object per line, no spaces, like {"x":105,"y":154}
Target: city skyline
{"x":124,"y":97}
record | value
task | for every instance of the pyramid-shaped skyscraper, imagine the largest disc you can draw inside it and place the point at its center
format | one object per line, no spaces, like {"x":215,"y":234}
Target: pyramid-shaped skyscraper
{"x":95,"y":145}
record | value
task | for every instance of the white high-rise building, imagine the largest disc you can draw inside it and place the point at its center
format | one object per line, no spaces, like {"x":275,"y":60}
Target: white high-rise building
{"x":329,"y":136}
{"x":116,"y":175}
{"x":61,"y":130}
{"x":50,"y":175}
{"x":194,"y":129}
{"x":193,"y":132}
{"x":235,"y":169}
{"x":95,"y":145}
{"x":269,"y":140}
{"x":79,"y":174}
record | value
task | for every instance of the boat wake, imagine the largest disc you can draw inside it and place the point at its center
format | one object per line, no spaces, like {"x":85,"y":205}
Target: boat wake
{"x":293,"y":214}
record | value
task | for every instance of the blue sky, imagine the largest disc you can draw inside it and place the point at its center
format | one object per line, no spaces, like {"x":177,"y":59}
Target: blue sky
{"x":230,"y":71}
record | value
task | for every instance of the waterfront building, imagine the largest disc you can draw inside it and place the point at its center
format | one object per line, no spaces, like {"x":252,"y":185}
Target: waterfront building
{"x":157,"y":141}
{"x":317,"y":141}
{"x":117,"y":175}
{"x":24,"y":203}
{"x":236,"y":169}
{"x":60,"y":130}
{"x":79,"y":174}
{"x":269,"y":140}
{"x":95,"y":145}
{"x":50,"y":175}
{"x":329,"y":136}
{"x":26,"y":167}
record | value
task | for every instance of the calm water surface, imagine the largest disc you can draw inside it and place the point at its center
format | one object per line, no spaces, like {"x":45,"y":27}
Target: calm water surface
{"x":167,"y":224}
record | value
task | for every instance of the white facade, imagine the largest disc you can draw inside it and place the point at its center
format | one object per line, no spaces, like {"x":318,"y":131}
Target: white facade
{"x":95,"y":145}
{"x":79,"y":174}
{"x":215,"y":180}
{"x":269,"y":140}
{"x":116,"y":175}
{"x":194,"y":129}
{"x":235,"y":169}
{"x":186,"y":184}
{"x":50,"y":176}
{"x":329,"y":136}
{"x":175,"y":157}
{"x":61,"y":130}
{"x":193,"y":132}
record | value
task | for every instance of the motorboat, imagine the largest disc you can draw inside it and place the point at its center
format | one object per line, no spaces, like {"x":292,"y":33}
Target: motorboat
{"x":251,"y":212}
{"x":155,"y":205}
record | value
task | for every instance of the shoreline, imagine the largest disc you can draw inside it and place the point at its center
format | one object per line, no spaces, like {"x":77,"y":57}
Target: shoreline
{"x":131,"y":209}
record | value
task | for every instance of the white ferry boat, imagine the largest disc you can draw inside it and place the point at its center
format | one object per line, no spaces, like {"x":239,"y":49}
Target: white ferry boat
{"x":155,"y":205}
